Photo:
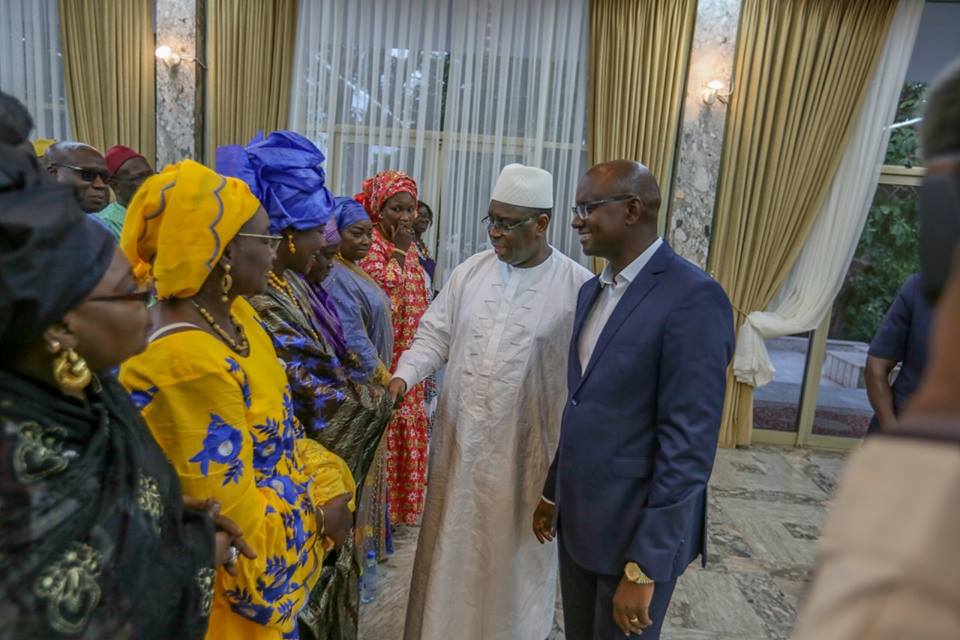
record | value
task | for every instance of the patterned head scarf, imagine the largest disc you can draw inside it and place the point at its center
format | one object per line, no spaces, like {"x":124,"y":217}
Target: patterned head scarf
{"x":348,"y":211}
{"x":284,"y":171}
{"x":331,"y":235}
{"x":180,"y":222}
{"x":382,"y":187}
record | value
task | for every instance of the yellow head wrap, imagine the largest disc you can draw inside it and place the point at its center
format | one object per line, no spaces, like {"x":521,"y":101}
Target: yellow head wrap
{"x":179,"y":223}
{"x":41,"y":145}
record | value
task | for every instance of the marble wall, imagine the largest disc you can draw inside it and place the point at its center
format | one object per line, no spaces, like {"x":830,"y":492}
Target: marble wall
{"x":702,"y":129}
{"x":180,"y":87}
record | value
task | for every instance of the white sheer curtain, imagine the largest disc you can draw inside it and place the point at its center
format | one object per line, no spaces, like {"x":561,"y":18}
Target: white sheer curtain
{"x":517,"y":93}
{"x":368,"y":87}
{"x":449,"y":91}
{"x":818,"y":274}
{"x":30,"y":66}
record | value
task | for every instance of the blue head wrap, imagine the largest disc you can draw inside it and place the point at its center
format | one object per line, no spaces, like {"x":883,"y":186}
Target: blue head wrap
{"x":284,"y":172}
{"x":348,"y":212}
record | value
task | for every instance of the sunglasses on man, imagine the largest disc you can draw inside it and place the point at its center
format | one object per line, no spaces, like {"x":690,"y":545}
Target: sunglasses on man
{"x":87,"y":174}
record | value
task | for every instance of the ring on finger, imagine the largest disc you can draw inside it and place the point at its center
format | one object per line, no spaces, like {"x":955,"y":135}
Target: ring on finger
{"x":234,"y":554}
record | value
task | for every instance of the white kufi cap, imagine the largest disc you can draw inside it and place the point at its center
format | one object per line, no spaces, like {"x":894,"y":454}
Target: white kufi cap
{"x":523,"y":186}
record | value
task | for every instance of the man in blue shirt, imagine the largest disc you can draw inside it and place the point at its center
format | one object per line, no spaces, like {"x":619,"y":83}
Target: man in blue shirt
{"x":901,"y":338}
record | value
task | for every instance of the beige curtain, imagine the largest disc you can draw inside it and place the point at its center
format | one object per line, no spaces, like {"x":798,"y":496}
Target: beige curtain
{"x":250,"y":51}
{"x":802,"y":69}
{"x":639,"y":50}
{"x":109,"y":72}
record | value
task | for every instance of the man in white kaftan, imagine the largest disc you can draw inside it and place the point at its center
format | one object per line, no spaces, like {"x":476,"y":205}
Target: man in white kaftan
{"x":502,"y":326}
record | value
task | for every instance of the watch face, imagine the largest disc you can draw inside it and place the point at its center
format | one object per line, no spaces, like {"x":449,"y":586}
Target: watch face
{"x":632,"y":571}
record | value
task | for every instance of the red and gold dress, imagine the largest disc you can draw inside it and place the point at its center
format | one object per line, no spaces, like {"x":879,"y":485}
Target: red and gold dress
{"x":408,"y":431}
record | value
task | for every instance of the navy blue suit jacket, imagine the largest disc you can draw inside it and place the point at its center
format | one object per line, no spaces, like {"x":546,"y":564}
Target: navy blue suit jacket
{"x":641,"y":424}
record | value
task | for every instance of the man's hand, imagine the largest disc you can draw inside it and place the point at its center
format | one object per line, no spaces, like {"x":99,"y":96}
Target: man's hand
{"x":397,"y":388}
{"x":631,"y":606}
{"x":338,"y":520}
{"x":543,"y":521}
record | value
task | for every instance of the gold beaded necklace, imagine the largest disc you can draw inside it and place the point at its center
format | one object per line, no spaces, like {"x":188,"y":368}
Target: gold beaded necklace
{"x":240,"y":346}
{"x":282,"y":285}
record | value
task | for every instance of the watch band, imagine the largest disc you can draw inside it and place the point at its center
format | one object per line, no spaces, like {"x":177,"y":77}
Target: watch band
{"x":633,"y":573}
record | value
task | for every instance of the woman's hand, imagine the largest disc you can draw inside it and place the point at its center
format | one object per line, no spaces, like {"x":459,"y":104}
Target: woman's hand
{"x":397,"y":388}
{"x":229,"y":543}
{"x":403,"y":236}
{"x":337,"y":519}
{"x":223,"y":552}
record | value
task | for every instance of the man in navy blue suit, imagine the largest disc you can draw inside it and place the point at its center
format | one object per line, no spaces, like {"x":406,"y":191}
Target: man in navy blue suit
{"x":627,"y":491}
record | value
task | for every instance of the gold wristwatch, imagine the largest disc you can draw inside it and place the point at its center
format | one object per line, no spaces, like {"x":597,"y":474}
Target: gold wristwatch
{"x":635,"y":574}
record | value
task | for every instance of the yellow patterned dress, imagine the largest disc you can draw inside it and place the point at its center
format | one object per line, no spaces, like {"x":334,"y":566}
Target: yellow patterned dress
{"x":226,"y":423}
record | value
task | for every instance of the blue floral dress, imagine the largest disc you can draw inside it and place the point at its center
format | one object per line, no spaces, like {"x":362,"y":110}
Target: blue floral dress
{"x":227,"y":424}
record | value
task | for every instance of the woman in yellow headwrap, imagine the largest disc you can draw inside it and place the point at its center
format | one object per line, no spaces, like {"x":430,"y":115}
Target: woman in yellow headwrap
{"x":216,"y":398}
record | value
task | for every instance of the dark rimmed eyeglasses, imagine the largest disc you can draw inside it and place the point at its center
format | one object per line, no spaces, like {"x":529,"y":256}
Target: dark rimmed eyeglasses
{"x":584,"y":209}
{"x":87,"y":174}
{"x":507,"y":227}
{"x":271,"y":241}
{"x":133,"y":296}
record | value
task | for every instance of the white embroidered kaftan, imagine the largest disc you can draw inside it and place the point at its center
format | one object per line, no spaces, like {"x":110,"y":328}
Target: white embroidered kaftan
{"x":504,"y":334}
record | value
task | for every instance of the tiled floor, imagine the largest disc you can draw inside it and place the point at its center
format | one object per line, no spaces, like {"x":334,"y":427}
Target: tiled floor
{"x":766,"y":507}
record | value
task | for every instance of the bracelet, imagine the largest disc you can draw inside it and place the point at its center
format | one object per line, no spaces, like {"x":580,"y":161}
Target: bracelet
{"x":400,"y":251}
{"x":323,"y":521}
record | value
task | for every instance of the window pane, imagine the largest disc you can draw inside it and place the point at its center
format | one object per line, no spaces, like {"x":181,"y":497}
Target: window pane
{"x":777,"y":405}
{"x":904,"y":146}
{"x":31,"y":67}
{"x":886,"y":256}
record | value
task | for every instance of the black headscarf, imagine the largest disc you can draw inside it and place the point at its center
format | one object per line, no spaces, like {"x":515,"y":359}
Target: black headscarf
{"x":52,"y":255}
{"x":15,"y":121}
{"x":19,"y":170}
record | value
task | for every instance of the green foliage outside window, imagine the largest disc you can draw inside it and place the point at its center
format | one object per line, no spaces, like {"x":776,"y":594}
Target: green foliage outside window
{"x":889,"y":247}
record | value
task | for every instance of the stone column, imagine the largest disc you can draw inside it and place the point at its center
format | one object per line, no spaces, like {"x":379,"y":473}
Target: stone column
{"x":701,"y":138}
{"x":180,"y":87}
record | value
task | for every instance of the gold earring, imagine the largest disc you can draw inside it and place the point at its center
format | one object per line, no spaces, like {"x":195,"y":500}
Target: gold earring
{"x":290,"y":245}
{"x":70,"y":371}
{"x":226,"y":282}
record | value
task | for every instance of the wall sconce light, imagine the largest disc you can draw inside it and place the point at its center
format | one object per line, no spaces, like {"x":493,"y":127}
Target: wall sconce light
{"x":714,"y":92}
{"x":171,"y":58}
{"x":168,"y":55}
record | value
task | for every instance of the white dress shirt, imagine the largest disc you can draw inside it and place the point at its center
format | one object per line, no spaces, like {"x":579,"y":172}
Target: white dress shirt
{"x":612,"y":289}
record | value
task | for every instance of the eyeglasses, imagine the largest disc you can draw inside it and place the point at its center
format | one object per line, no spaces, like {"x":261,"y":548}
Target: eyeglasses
{"x":271,"y":241}
{"x":584,"y":210}
{"x":88,"y":174}
{"x":507,"y":227}
{"x":133,"y":296}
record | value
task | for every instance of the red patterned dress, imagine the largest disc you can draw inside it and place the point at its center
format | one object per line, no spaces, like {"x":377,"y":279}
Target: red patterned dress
{"x":408,"y":431}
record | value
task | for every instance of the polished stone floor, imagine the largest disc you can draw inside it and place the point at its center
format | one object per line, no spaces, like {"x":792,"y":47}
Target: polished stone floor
{"x":766,"y":507}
